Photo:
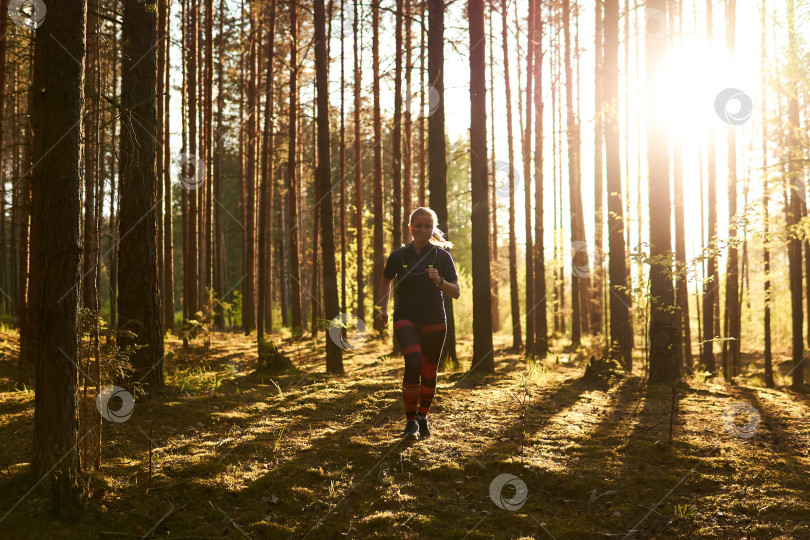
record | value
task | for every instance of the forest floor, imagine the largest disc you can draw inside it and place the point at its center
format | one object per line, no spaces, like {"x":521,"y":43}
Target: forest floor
{"x":236,"y":451}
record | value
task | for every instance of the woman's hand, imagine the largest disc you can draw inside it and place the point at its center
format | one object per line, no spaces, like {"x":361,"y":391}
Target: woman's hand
{"x":383,"y":317}
{"x":433,"y":274}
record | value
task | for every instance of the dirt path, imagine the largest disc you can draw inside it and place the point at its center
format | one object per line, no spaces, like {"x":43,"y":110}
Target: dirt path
{"x":237,"y":452}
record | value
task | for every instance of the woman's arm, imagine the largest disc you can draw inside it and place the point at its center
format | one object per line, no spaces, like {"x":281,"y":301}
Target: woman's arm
{"x":385,"y":293}
{"x":451,"y":289}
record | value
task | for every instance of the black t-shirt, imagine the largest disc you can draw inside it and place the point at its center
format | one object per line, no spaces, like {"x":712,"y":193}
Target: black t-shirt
{"x":419,"y":299}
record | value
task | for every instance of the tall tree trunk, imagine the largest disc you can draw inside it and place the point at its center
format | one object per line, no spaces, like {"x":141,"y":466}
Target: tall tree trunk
{"x":55,"y":113}
{"x":766,"y":255}
{"x":483,"y":353}
{"x":90,"y":120}
{"x":167,"y":290}
{"x":526,"y":151}
{"x":265,"y":190}
{"x":539,"y":306}
{"x":621,"y":338}
{"x":796,"y":195}
{"x":379,"y":254}
{"x":579,"y":259}
{"x":664,"y":341}
{"x":343,"y":245}
{"x":407,"y":143}
{"x":190,"y":268}
{"x":249,"y":306}
{"x":514,"y":291}
{"x":732,"y":315}
{"x":357,"y":173}
{"x":334,"y":355}
{"x":219,"y":234}
{"x":438,"y":160}
{"x":139,"y":297}
{"x":292,"y":180}
{"x":422,"y":91}
{"x":598,"y":164}
{"x":682,"y":323}
{"x":712,"y":285}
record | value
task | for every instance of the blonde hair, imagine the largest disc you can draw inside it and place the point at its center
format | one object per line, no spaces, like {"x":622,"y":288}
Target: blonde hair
{"x":437,"y":238}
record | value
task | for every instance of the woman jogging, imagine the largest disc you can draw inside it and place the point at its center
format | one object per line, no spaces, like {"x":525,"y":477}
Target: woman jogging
{"x":425,"y":272}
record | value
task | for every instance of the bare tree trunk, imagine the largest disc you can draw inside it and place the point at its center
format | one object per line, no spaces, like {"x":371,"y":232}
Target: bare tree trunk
{"x":579,"y":260}
{"x":334,"y":356}
{"x":248,"y":305}
{"x":292,"y":180}
{"x":190,"y":268}
{"x":219,"y":235}
{"x":139,"y":298}
{"x":527,"y":196}
{"x":598,"y":164}
{"x":164,"y":65}
{"x":422,"y":92}
{"x":732,"y":315}
{"x":379,"y":253}
{"x":265,"y":190}
{"x":682,"y":323}
{"x":539,"y":306}
{"x":711,"y":287}
{"x":483,"y":353}
{"x":357,"y":173}
{"x":796,"y":195}
{"x":407,"y":144}
{"x":514,"y":291}
{"x":664,"y":341}
{"x":766,"y":255}
{"x":55,"y":115}
{"x":438,"y":162}
{"x":493,"y":198}
{"x":621,"y":337}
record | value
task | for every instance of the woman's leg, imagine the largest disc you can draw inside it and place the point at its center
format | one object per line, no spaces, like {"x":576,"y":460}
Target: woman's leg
{"x":431,"y":337}
{"x":408,"y":335}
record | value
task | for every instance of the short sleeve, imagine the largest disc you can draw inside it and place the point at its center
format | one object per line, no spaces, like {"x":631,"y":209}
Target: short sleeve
{"x":447,"y":270}
{"x":391,"y":268}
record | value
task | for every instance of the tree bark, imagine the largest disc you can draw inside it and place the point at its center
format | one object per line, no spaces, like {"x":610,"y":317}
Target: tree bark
{"x":55,"y":108}
{"x":539,"y":305}
{"x":139,"y":296}
{"x":664,"y":341}
{"x":483,"y":352}
{"x":621,"y":338}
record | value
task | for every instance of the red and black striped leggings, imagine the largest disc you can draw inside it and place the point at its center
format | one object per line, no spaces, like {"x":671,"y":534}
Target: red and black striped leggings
{"x":421,"y":345}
